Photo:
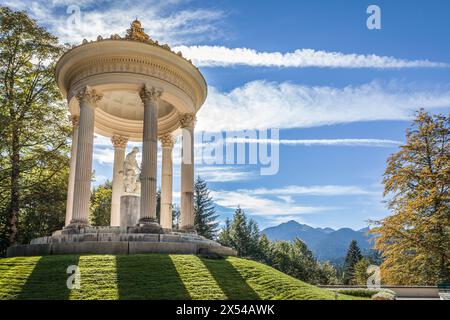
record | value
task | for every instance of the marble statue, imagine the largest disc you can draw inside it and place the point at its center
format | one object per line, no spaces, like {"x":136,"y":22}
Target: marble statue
{"x":131,"y":172}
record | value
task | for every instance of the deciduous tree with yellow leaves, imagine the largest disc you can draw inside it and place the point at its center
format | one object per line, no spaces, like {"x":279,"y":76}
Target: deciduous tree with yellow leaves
{"x":415,"y":239}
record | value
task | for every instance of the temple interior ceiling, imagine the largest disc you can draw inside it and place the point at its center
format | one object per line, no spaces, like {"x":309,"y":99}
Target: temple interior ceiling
{"x":128,"y":105}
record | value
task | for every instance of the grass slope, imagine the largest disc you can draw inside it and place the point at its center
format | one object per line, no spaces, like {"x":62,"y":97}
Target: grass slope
{"x":150,"y":276}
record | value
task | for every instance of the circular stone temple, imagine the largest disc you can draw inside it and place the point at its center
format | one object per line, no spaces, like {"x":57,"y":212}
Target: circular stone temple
{"x":129,"y":89}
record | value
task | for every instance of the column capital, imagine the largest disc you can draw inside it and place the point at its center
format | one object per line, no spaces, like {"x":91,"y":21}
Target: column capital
{"x":75,"y":120}
{"x":187,"y":120}
{"x":150,"y":93}
{"x":167,"y":140}
{"x":119,"y":141}
{"x":88,"y":94}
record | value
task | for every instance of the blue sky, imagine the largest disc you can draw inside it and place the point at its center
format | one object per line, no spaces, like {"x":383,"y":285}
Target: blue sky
{"x":354,"y":83}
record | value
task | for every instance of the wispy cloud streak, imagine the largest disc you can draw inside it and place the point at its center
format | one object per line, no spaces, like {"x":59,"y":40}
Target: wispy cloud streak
{"x":263,"y":104}
{"x":219,"y":56}
{"x":323,"y":142}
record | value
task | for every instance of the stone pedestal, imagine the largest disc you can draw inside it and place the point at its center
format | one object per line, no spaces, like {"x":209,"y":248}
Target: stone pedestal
{"x":129,"y":210}
{"x":118,"y":240}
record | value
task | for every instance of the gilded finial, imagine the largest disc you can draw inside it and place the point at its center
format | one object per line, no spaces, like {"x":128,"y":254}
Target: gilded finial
{"x":136,"y":32}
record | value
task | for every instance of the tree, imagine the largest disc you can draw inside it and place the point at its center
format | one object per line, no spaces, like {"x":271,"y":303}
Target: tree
{"x":175,"y":216}
{"x":43,"y":208}
{"x":415,"y":240}
{"x":205,"y":213}
{"x":264,"y":250}
{"x":225,"y":234}
{"x":100,"y":208}
{"x":34,"y":127}
{"x":158,"y":205}
{"x":360,"y":275}
{"x":293,"y":258}
{"x":242,"y":235}
{"x":351,"y":259}
{"x":328,"y":274}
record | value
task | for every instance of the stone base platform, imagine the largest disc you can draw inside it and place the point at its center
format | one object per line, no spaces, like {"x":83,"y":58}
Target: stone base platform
{"x":117,"y":240}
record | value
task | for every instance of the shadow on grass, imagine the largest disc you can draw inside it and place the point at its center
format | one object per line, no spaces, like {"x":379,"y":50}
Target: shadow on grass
{"x":49,"y":279}
{"x":151,"y":276}
{"x":230,"y":280}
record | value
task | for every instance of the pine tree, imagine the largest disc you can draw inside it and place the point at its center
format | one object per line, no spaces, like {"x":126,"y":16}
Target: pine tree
{"x":328,"y":274}
{"x":225,"y":234}
{"x":360,"y":275}
{"x":205,"y":222}
{"x":264,"y":250}
{"x":351,"y":259}
{"x":241,"y":234}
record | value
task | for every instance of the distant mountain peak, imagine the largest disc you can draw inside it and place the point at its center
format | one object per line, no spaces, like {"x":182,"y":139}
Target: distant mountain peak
{"x":325,"y":243}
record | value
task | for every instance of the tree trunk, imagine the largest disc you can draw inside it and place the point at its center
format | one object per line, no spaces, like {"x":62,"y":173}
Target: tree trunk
{"x":15,"y":173}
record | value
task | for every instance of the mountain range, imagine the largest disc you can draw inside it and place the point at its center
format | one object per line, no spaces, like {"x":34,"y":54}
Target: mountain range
{"x":325,"y":243}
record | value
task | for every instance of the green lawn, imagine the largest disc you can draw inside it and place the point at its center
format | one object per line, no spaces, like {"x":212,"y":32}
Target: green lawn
{"x":150,"y":276}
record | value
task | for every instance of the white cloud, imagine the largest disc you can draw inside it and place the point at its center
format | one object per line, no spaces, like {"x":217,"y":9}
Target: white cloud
{"x":162,"y":20}
{"x":326,"y":190}
{"x":279,"y":204}
{"x":262,"y":105}
{"x":224,"y":173}
{"x":323,"y":142}
{"x":218,"y":56}
{"x":104,"y":156}
{"x":260,"y":206}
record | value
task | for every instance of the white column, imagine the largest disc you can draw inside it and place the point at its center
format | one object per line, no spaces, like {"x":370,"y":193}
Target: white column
{"x":149,"y":96}
{"x":187,"y":122}
{"x":73,"y":161}
{"x":167,"y":142}
{"x":120,"y":144}
{"x":88,"y":99}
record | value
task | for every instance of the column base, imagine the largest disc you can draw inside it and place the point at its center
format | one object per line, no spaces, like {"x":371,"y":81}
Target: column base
{"x":147,"y":225}
{"x":187,"y":229}
{"x":75,"y":226}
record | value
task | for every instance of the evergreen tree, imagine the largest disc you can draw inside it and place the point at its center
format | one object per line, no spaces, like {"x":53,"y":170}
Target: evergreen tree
{"x":100,"y":208}
{"x":328,"y":274}
{"x":360,"y":275}
{"x":264,"y":250}
{"x":240,"y":234}
{"x":351,"y":259}
{"x":293,"y":258}
{"x":225,"y":234}
{"x":205,"y":213}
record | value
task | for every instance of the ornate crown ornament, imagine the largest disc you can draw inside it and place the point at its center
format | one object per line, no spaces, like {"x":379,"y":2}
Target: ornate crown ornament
{"x":136,"y":32}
